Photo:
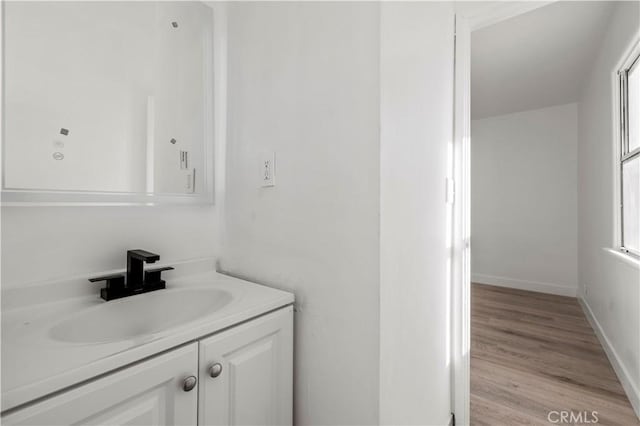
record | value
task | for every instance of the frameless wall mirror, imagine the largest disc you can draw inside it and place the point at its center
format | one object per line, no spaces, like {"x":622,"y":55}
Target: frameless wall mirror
{"x":107,"y":102}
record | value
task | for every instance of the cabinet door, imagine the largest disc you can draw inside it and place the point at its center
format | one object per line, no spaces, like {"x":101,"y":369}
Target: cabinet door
{"x":148,"y":393}
{"x":254,"y":386}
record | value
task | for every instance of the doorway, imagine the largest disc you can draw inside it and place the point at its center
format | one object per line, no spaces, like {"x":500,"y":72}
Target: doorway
{"x":527,"y":323}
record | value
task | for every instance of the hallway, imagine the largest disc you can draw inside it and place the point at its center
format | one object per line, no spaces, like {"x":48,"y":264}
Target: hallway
{"x":532,"y":353}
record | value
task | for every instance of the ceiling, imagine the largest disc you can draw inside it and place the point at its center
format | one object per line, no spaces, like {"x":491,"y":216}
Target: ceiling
{"x":537,"y":59}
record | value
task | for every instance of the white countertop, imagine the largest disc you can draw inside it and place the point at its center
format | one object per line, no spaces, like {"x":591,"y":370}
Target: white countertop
{"x":35,"y":365}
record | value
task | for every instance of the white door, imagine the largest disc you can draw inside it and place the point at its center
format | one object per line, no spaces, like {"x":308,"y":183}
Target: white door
{"x":149,"y":393}
{"x":252,"y":364}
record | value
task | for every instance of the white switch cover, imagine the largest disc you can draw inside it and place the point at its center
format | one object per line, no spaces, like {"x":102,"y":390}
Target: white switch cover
{"x":268,"y":169}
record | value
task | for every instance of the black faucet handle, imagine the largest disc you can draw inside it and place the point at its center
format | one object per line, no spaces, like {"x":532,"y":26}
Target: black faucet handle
{"x":152,"y":276}
{"x":115,"y":285}
{"x":143,"y":255}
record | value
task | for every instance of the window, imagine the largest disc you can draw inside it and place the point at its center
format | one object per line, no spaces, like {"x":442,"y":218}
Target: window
{"x":630,"y":156}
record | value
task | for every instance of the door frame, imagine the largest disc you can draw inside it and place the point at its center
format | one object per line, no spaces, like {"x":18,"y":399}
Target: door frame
{"x":469,"y":17}
{"x":460,"y":246}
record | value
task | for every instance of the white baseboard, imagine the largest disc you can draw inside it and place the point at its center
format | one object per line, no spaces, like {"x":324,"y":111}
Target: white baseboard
{"x":633,"y":393}
{"x":540,"y":287}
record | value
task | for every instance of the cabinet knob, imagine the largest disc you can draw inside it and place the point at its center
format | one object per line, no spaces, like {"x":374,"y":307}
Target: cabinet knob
{"x":189,"y":383}
{"x":215,"y":370}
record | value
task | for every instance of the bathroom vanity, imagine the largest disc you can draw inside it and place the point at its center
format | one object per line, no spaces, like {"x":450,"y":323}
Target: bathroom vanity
{"x":112,"y":104}
{"x":196,"y":348}
{"x":207,"y":350}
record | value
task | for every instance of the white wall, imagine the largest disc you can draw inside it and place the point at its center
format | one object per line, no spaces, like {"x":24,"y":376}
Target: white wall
{"x":356,"y":101}
{"x":416,"y":112}
{"x":609,"y":285}
{"x":304,"y":82}
{"x":524,"y":200}
{"x":50,"y":243}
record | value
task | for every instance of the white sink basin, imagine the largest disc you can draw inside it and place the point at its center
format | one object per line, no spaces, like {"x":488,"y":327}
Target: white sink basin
{"x":140,"y":315}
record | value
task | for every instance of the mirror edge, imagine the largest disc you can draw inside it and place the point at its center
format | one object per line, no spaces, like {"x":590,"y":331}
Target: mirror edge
{"x":60,"y":198}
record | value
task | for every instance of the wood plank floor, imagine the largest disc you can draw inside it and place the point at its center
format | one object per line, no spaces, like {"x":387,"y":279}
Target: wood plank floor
{"x":532,"y":353}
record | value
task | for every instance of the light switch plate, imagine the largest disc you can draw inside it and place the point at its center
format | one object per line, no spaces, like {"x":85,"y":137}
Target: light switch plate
{"x":267,"y":168}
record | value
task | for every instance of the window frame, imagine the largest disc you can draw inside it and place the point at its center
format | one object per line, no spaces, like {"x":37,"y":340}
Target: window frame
{"x":623,"y":155}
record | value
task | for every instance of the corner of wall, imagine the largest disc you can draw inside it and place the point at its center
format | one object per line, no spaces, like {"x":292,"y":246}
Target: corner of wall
{"x":608,"y":289}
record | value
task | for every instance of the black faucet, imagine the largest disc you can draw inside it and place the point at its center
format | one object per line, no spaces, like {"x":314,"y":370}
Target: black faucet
{"x":135,"y":266}
{"x":137,"y":279}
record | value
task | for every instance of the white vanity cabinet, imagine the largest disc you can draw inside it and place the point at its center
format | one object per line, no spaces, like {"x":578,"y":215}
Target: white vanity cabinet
{"x":246,"y":373}
{"x":253,"y":384}
{"x":148,"y":393}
